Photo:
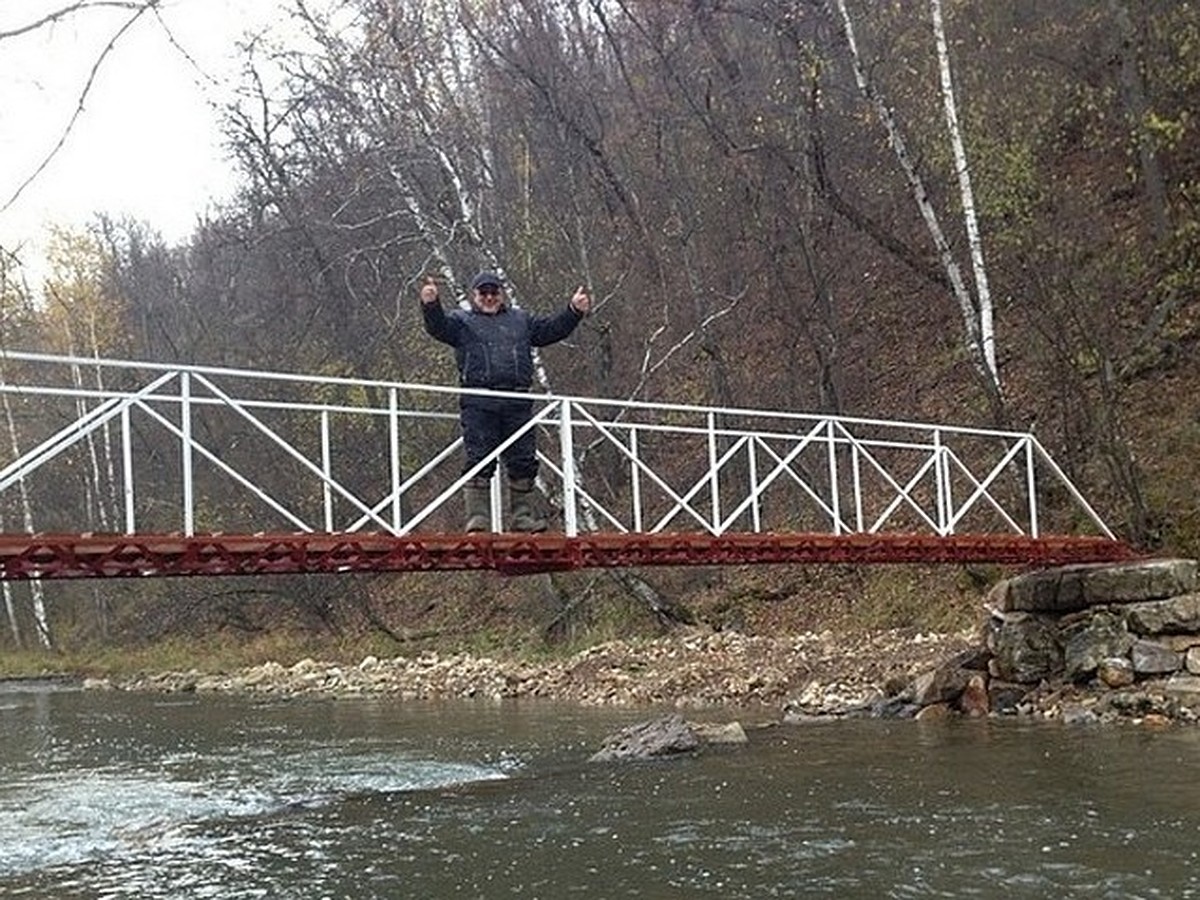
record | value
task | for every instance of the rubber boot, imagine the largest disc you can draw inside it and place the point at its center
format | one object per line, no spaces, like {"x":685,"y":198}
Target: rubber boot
{"x":524,"y":517}
{"x":477,"y":498}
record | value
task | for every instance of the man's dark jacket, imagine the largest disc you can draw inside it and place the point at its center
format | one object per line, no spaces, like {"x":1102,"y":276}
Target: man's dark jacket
{"x":496,"y":351}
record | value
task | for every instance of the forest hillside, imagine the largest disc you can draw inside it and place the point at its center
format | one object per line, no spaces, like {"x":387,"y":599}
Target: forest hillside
{"x":946,"y":211}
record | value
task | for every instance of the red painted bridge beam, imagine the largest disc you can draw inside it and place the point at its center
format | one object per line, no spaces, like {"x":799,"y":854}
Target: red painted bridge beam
{"x":60,"y":556}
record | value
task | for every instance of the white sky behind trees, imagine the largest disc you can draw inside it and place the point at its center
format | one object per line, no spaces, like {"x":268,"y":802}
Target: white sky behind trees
{"x":147,"y":143}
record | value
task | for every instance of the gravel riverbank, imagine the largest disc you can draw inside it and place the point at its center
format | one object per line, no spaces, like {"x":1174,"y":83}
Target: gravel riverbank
{"x":822,"y":673}
{"x":1081,"y":643}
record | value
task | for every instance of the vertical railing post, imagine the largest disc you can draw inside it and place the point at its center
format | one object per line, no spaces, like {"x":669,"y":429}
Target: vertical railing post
{"x":394,"y":454}
{"x":570,"y":497}
{"x":326,"y":471}
{"x":185,"y":412}
{"x":856,"y":475}
{"x":1031,"y":487}
{"x":635,"y":478}
{"x":939,"y":477}
{"x":127,"y":470}
{"x":755,"y":504}
{"x":834,"y":489}
{"x":714,"y":492}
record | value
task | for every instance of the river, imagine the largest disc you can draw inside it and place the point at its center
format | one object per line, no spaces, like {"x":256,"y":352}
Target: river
{"x":113,"y":795}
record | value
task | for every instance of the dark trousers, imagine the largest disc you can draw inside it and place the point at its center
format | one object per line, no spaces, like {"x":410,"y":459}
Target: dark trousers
{"x":487,"y":422}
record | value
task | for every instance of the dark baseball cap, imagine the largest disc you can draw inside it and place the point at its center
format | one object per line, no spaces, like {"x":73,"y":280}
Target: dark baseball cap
{"x":486,"y":279}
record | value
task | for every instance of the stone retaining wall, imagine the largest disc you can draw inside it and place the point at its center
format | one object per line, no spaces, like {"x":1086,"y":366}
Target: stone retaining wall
{"x":1090,"y":641}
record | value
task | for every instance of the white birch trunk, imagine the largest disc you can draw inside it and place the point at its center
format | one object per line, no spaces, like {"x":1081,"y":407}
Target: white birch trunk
{"x":91,"y":483}
{"x":93,"y":499}
{"x":983,"y":293}
{"x":9,"y":607}
{"x":12,"y":614}
{"x":966,"y":303}
{"x":108,"y":501}
{"x":37,"y":595}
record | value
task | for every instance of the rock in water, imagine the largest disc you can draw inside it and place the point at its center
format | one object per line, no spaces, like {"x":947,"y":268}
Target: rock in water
{"x":730,"y":733}
{"x":668,"y":736}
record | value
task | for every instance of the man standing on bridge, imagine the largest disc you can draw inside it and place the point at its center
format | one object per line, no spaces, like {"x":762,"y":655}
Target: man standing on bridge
{"x":493,"y":347}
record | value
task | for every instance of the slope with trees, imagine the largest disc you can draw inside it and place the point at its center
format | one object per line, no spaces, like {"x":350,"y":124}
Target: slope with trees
{"x":977,"y":213}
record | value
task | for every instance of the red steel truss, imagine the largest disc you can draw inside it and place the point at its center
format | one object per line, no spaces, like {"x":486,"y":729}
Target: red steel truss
{"x":61,"y":556}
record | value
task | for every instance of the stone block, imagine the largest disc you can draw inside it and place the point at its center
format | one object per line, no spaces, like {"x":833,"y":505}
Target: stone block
{"x":1191,"y":660}
{"x":1115,"y":672}
{"x":940,"y":685}
{"x":974,"y":699}
{"x":1152,"y":658}
{"x":1005,"y":696}
{"x":1088,"y":642}
{"x":668,"y":736}
{"x":718,"y":733}
{"x":938,"y":712}
{"x":1180,"y":643}
{"x":1025,"y":650}
{"x":1183,"y":688}
{"x":1174,"y":615}
{"x":1071,"y":588}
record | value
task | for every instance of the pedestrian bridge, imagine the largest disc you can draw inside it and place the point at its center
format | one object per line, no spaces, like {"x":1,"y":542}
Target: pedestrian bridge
{"x":116,"y":468}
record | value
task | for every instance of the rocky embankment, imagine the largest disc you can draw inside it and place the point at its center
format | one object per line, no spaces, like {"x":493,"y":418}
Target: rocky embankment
{"x":1082,"y":643}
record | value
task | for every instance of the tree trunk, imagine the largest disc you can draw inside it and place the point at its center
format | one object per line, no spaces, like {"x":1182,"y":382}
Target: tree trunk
{"x":983,"y":294}
{"x":1137,"y":109}
{"x":9,"y":607}
{"x":972,"y":319}
{"x":37,"y":596}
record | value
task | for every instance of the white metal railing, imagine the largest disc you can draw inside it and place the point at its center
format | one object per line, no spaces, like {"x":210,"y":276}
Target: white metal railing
{"x":200,"y":449}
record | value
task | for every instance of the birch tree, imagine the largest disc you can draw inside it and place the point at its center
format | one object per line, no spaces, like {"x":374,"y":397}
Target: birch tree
{"x":981,"y":304}
{"x":15,"y":311}
{"x":11,"y":610}
{"x":37,"y":594}
{"x":975,"y":307}
{"x":85,"y":318}
{"x":11,"y":293}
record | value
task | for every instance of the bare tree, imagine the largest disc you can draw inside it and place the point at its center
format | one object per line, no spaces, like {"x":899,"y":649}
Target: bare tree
{"x":974,"y":308}
{"x":1137,"y":111}
{"x":981,"y":303}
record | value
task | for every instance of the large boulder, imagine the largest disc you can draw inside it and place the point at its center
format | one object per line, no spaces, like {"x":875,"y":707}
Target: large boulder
{"x":668,"y":736}
{"x":1025,"y":648}
{"x":1072,"y":588}
{"x":1086,"y":644}
{"x":944,"y":684}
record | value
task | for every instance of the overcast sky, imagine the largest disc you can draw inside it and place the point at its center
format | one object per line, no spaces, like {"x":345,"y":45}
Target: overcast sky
{"x":146,"y":143}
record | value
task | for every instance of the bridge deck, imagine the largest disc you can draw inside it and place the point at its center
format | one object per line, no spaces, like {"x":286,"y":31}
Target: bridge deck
{"x":60,"y":556}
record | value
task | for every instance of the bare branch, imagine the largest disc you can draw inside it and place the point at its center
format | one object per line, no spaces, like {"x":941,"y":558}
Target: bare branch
{"x":58,"y":14}
{"x":139,"y":10}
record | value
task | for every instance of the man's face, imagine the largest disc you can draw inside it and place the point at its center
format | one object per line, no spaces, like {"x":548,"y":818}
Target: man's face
{"x":489,"y":298}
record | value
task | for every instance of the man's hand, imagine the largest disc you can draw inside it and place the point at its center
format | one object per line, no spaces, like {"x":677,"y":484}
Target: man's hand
{"x":581,"y":302}
{"x":429,"y":291}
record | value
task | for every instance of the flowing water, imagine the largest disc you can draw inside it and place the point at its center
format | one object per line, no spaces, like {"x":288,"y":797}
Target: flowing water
{"x":135,"y":795}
